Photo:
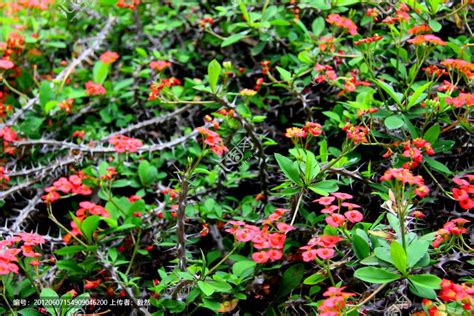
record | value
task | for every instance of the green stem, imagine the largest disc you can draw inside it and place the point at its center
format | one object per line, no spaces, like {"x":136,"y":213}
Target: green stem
{"x":300,"y":198}
{"x":135,"y":248}
{"x":6,"y":299}
{"x":222,"y":260}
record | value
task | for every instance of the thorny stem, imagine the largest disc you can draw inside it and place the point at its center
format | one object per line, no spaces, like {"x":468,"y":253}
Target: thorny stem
{"x":180,"y":214}
{"x":28,"y":276}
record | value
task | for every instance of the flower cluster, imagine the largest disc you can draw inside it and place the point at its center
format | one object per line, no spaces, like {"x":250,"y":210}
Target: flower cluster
{"x":156,"y":87}
{"x":326,"y":43}
{"x":400,"y":15}
{"x":10,"y":248}
{"x":427,"y":39}
{"x":160,"y":65}
{"x":419,"y":29}
{"x":453,"y":227}
{"x":66,"y":105}
{"x":268,"y":241}
{"x":214,"y":141}
{"x":206,"y":22}
{"x":310,"y":128}
{"x":369,"y":40}
{"x":459,"y":65}
{"x":335,"y":302}
{"x":406,"y":177}
{"x":128,"y":4}
{"x":451,"y":291}
{"x":87,"y":208}
{"x":6,"y":64}
{"x":463,"y":99}
{"x":321,"y":247}
{"x":413,"y":150}
{"x":335,"y":218}
{"x":94,"y":88}
{"x":109,"y":57}
{"x":351,"y":83}
{"x":248,"y":92}
{"x":464,"y":193}
{"x":123,"y":143}
{"x":72,"y":185}
{"x":265,"y":66}
{"x":346,"y":23}
{"x":326,"y":73}
{"x":3,"y":178}
{"x":8,"y":135}
{"x":358,"y":134}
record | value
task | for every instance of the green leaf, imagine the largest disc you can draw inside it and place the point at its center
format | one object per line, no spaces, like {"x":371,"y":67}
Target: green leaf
{"x":415,"y":97}
{"x":220,"y":286}
{"x":214,"y":71}
{"x":89,"y":225}
{"x":285,"y":75}
{"x":49,"y":106}
{"x":49,"y":295}
{"x":245,"y":13}
{"x":77,"y":303}
{"x":243,"y":268}
{"x":318,"y":26}
{"x":324,"y":187}
{"x":305,"y":57}
{"x":291,"y":279}
{"x":360,"y":246}
{"x":289,"y":168}
{"x":416,"y":251}
{"x":383,"y":253}
{"x":397,"y":97}
{"x":394,"y":122}
{"x":422,"y":291}
{"x":147,"y":173}
{"x":399,"y":257}
{"x":206,"y":288}
{"x":375,"y":275}
{"x":432,"y":134}
{"x":435,"y":25}
{"x":45,"y":94}
{"x":436,"y":165}
{"x":100,"y":72}
{"x":426,"y":280}
{"x":69,"y":250}
{"x":314,"y":279}
{"x":234,"y":38}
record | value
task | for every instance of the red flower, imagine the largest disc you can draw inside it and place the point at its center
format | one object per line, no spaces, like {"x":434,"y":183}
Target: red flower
{"x":109,"y":57}
{"x":260,"y":257}
{"x":336,"y":19}
{"x":353,"y":216}
{"x":325,"y":253}
{"x":94,"y":88}
{"x":426,"y":39}
{"x":160,"y":65}
{"x":295,"y":132}
{"x":335,"y":220}
{"x":123,"y":143}
{"x":6,"y":64}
